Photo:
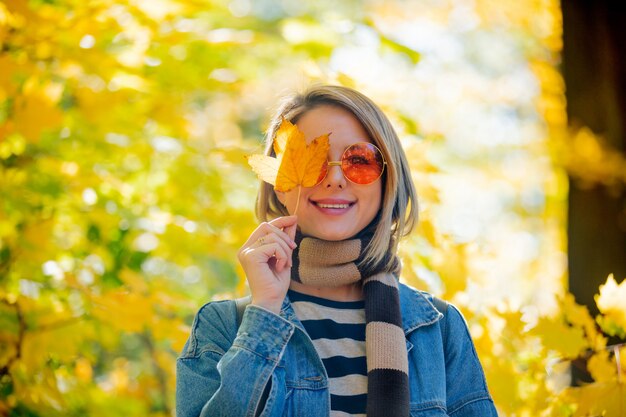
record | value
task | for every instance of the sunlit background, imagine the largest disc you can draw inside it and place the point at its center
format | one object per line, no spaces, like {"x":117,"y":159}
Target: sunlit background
{"x":125,"y":193}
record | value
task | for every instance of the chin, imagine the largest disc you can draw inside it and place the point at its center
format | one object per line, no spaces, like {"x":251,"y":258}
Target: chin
{"x":333,"y":236}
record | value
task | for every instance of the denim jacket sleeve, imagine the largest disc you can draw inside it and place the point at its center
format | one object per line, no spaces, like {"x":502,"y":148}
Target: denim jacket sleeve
{"x":466,"y":387}
{"x":222,"y":371}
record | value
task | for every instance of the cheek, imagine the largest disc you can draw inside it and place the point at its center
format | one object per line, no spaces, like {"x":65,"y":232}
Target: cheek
{"x":376,"y":204}
{"x":378,"y":197}
{"x":290,"y":198}
{"x":280,"y":197}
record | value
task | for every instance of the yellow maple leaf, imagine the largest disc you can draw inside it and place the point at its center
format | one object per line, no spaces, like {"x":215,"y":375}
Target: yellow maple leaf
{"x":296,"y":163}
{"x":602,"y":367}
{"x":284,"y":132}
{"x":265,"y":167}
{"x":598,"y":399}
{"x":611,"y":304}
{"x":561,"y":337}
{"x":301,"y":164}
{"x":578,"y":316}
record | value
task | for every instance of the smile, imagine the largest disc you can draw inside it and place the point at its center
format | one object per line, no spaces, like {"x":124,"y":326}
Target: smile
{"x":333,"y":206}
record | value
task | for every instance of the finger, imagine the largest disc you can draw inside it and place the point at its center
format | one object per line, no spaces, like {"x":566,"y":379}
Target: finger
{"x":280,"y":235}
{"x":284,"y":221}
{"x":281,"y":232}
{"x":264,"y":253}
{"x":275,"y":250}
{"x":283,"y":259}
{"x":291,"y":231}
{"x":260,"y":232}
{"x":273,"y":238}
{"x":274,"y":226}
{"x":289,"y":225}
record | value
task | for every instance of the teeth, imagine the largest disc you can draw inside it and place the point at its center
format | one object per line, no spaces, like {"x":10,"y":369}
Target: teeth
{"x":333,"y":206}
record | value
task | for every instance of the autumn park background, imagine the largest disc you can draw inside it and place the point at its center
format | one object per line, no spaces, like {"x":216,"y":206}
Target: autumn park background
{"x":124,"y":192}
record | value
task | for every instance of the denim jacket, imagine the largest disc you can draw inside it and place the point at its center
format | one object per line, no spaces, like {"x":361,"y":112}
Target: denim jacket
{"x":223,"y":371}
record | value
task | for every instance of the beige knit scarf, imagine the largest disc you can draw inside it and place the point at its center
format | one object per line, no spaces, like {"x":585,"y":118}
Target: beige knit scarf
{"x":327,"y":263}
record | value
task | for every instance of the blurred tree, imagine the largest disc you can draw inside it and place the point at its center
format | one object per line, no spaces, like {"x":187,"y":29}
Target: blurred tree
{"x":594,"y":69}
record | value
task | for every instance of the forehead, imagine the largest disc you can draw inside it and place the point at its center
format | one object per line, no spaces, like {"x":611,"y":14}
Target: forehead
{"x":344,"y":128}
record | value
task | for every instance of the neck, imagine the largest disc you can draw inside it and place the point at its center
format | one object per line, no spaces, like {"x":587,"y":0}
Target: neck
{"x":348,"y":292}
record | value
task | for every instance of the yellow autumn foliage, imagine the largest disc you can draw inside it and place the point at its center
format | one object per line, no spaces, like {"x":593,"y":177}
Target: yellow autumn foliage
{"x":611,"y":303}
{"x":124,"y":192}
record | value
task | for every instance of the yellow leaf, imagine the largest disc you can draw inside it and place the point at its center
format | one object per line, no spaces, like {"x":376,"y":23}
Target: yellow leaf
{"x":266,"y":167}
{"x":559,"y":336}
{"x":123,"y":310}
{"x":301,"y":164}
{"x":610,"y":302}
{"x":296,"y":163}
{"x":602,"y":366}
{"x":83,"y":370}
{"x":578,"y":316}
{"x":450,"y":261}
{"x":598,"y":399}
{"x":38,"y":107}
{"x":284,"y":132}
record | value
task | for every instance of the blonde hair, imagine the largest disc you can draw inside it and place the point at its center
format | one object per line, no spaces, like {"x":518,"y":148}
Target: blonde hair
{"x":399,"y":209}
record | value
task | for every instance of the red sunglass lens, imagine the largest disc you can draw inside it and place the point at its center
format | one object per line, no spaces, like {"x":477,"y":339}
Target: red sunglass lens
{"x":362,"y":163}
{"x":323,"y":172}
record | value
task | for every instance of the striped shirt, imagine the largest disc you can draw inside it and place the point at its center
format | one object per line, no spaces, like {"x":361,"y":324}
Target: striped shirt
{"x":337,"y":329}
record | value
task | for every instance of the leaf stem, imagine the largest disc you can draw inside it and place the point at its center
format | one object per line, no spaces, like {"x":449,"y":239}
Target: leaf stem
{"x":298,"y":200}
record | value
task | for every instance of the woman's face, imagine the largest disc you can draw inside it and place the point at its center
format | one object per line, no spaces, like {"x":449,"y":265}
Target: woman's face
{"x":335,"y":209}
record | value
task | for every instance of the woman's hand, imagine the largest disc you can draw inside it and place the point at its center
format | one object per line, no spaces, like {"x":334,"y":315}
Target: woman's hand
{"x":266,"y":260}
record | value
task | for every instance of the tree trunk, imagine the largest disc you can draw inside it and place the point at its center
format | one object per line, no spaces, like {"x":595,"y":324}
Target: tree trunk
{"x":594,"y":69}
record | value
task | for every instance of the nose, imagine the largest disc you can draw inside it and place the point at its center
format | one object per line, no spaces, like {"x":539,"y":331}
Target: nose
{"x":334,"y":177}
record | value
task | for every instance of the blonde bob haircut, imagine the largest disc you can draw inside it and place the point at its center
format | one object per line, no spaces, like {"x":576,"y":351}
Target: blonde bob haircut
{"x":399,"y":211}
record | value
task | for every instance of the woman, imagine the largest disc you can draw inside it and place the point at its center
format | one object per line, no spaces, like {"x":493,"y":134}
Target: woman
{"x":329,"y":329}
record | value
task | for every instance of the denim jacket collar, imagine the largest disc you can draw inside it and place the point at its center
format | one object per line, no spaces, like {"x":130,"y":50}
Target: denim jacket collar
{"x":417,"y":310}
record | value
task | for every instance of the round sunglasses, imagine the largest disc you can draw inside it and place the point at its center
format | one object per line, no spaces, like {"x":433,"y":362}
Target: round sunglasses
{"x":361,"y":163}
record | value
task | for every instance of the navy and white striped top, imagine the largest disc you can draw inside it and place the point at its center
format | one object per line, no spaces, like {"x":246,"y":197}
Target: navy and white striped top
{"x":337,"y":329}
